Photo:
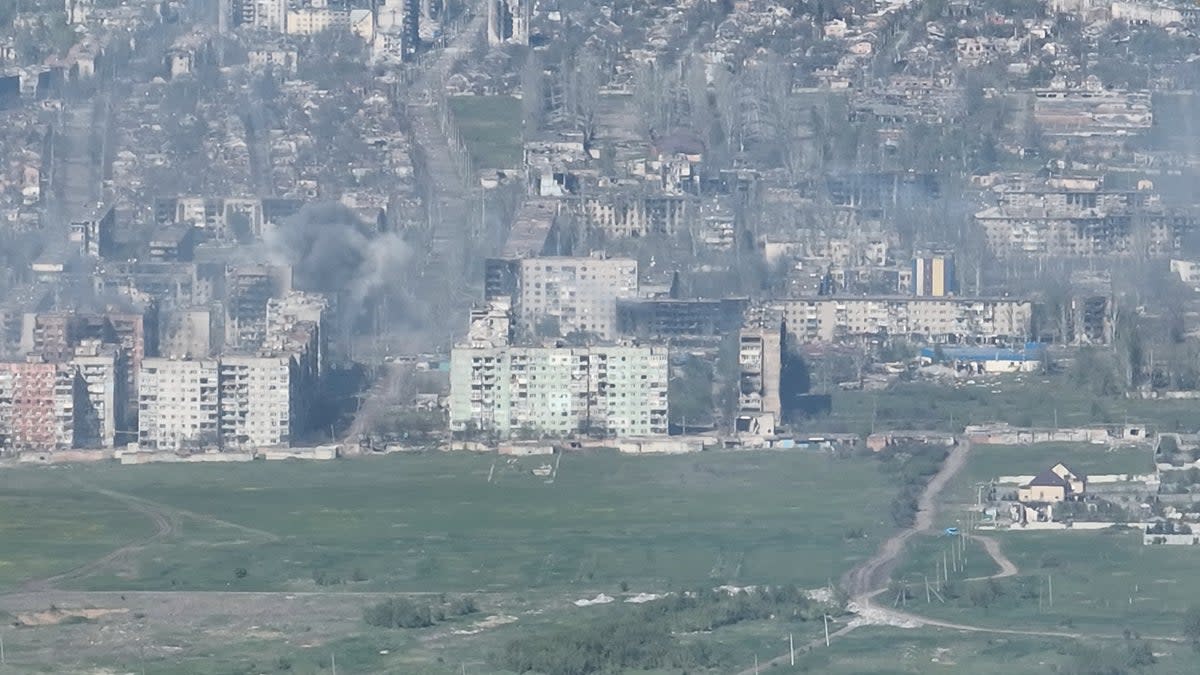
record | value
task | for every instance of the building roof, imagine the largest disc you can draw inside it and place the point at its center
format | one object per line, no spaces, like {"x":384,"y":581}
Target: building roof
{"x":1048,"y":478}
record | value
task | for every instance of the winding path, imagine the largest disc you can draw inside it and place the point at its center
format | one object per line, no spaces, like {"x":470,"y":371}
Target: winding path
{"x":1007,"y":567}
{"x":869,"y":577}
{"x":166,"y":521}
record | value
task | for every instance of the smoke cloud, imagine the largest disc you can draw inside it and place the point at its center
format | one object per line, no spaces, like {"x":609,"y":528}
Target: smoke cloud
{"x":332,"y":251}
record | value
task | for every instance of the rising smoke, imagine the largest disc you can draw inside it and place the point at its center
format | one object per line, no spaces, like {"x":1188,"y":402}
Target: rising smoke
{"x":332,"y":251}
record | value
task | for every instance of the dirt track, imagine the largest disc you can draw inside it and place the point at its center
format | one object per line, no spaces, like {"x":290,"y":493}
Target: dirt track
{"x":871,"y":576}
{"x":1007,"y":567}
{"x":164,"y":526}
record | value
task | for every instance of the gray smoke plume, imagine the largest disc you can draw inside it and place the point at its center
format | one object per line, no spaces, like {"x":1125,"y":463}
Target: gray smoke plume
{"x":332,"y":251}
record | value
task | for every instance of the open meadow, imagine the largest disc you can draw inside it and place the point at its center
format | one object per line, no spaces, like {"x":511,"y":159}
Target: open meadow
{"x":272,"y":564}
{"x":1020,"y":400}
{"x":1095,"y":583}
{"x":490,"y":128}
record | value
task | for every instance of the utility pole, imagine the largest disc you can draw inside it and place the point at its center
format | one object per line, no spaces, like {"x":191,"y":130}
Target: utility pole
{"x":333,"y":663}
{"x":1050,"y":583}
{"x":826,"y":617}
{"x":791,"y":648}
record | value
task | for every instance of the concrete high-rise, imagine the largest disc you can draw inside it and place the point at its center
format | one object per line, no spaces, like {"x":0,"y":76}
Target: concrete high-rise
{"x":508,"y":21}
{"x":614,"y":390}
{"x":579,"y":295}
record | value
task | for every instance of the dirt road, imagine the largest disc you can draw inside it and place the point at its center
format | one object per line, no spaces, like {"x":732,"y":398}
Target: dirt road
{"x":871,"y":576}
{"x":166,"y":521}
{"x":164,"y":526}
{"x":1007,"y":567}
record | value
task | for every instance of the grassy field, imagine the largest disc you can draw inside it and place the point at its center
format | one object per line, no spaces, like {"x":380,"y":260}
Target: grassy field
{"x":879,"y":651}
{"x":433,"y":522}
{"x":491,"y":128}
{"x":1102,"y":583}
{"x":988,"y":462}
{"x":327,"y":539}
{"x":1019,"y":400}
{"x":53,"y":526}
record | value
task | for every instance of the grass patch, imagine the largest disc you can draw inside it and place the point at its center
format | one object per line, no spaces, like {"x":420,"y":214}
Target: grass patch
{"x":434,"y":523}
{"x":988,"y":462}
{"x":876,"y":651}
{"x":491,"y":128}
{"x":1027,"y":400}
{"x":1102,"y":583}
{"x":54,"y":526}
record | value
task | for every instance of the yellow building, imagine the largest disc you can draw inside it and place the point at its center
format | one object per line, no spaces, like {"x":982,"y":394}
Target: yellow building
{"x":1055,"y":484}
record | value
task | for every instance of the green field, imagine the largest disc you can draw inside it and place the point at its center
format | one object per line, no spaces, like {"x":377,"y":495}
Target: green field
{"x":324,"y":540}
{"x":51,"y":526}
{"x":891,"y":651}
{"x":433,"y":522}
{"x":988,"y":462}
{"x":1042,"y":401}
{"x":1102,"y":583}
{"x":491,"y":128}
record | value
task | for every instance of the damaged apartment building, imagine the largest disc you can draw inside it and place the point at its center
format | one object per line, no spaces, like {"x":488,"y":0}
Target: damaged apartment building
{"x":760,"y":364}
{"x":555,"y":390}
{"x":1081,"y":217}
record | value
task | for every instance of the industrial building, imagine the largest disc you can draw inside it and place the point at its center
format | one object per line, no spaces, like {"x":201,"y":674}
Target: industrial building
{"x":611,"y":390}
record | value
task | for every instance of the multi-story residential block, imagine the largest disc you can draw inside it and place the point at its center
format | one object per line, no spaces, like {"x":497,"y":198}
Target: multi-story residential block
{"x":1081,"y":217}
{"x":178,"y":404}
{"x":760,"y":359}
{"x":313,"y":20}
{"x":55,"y":335}
{"x":235,"y":401}
{"x":580,"y":294}
{"x":617,"y":390}
{"x":256,"y":400}
{"x":103,"y":370}
{"x":38,"y":404}
{"x":957,"y":320}
{"x":508,"y":21}
{"x":634,"y":213}
{"x":248,"y":289}
{"x":933,"y":276}
{"x":295,"y":324}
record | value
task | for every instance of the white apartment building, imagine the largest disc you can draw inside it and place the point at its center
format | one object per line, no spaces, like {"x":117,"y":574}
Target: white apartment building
{"x":178,"y":403}
{"x":255,"y":400}
{"x":618,"y":390}
{"x":831,"y":319}
{"x":270,"y":15}
{"x":313,"y":20}
{"x":104,"y":379}
{"x":234,"y":401}
{"x":580,"y":293}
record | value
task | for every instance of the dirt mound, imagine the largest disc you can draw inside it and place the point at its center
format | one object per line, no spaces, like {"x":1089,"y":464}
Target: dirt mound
{"x":55,"y":616}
